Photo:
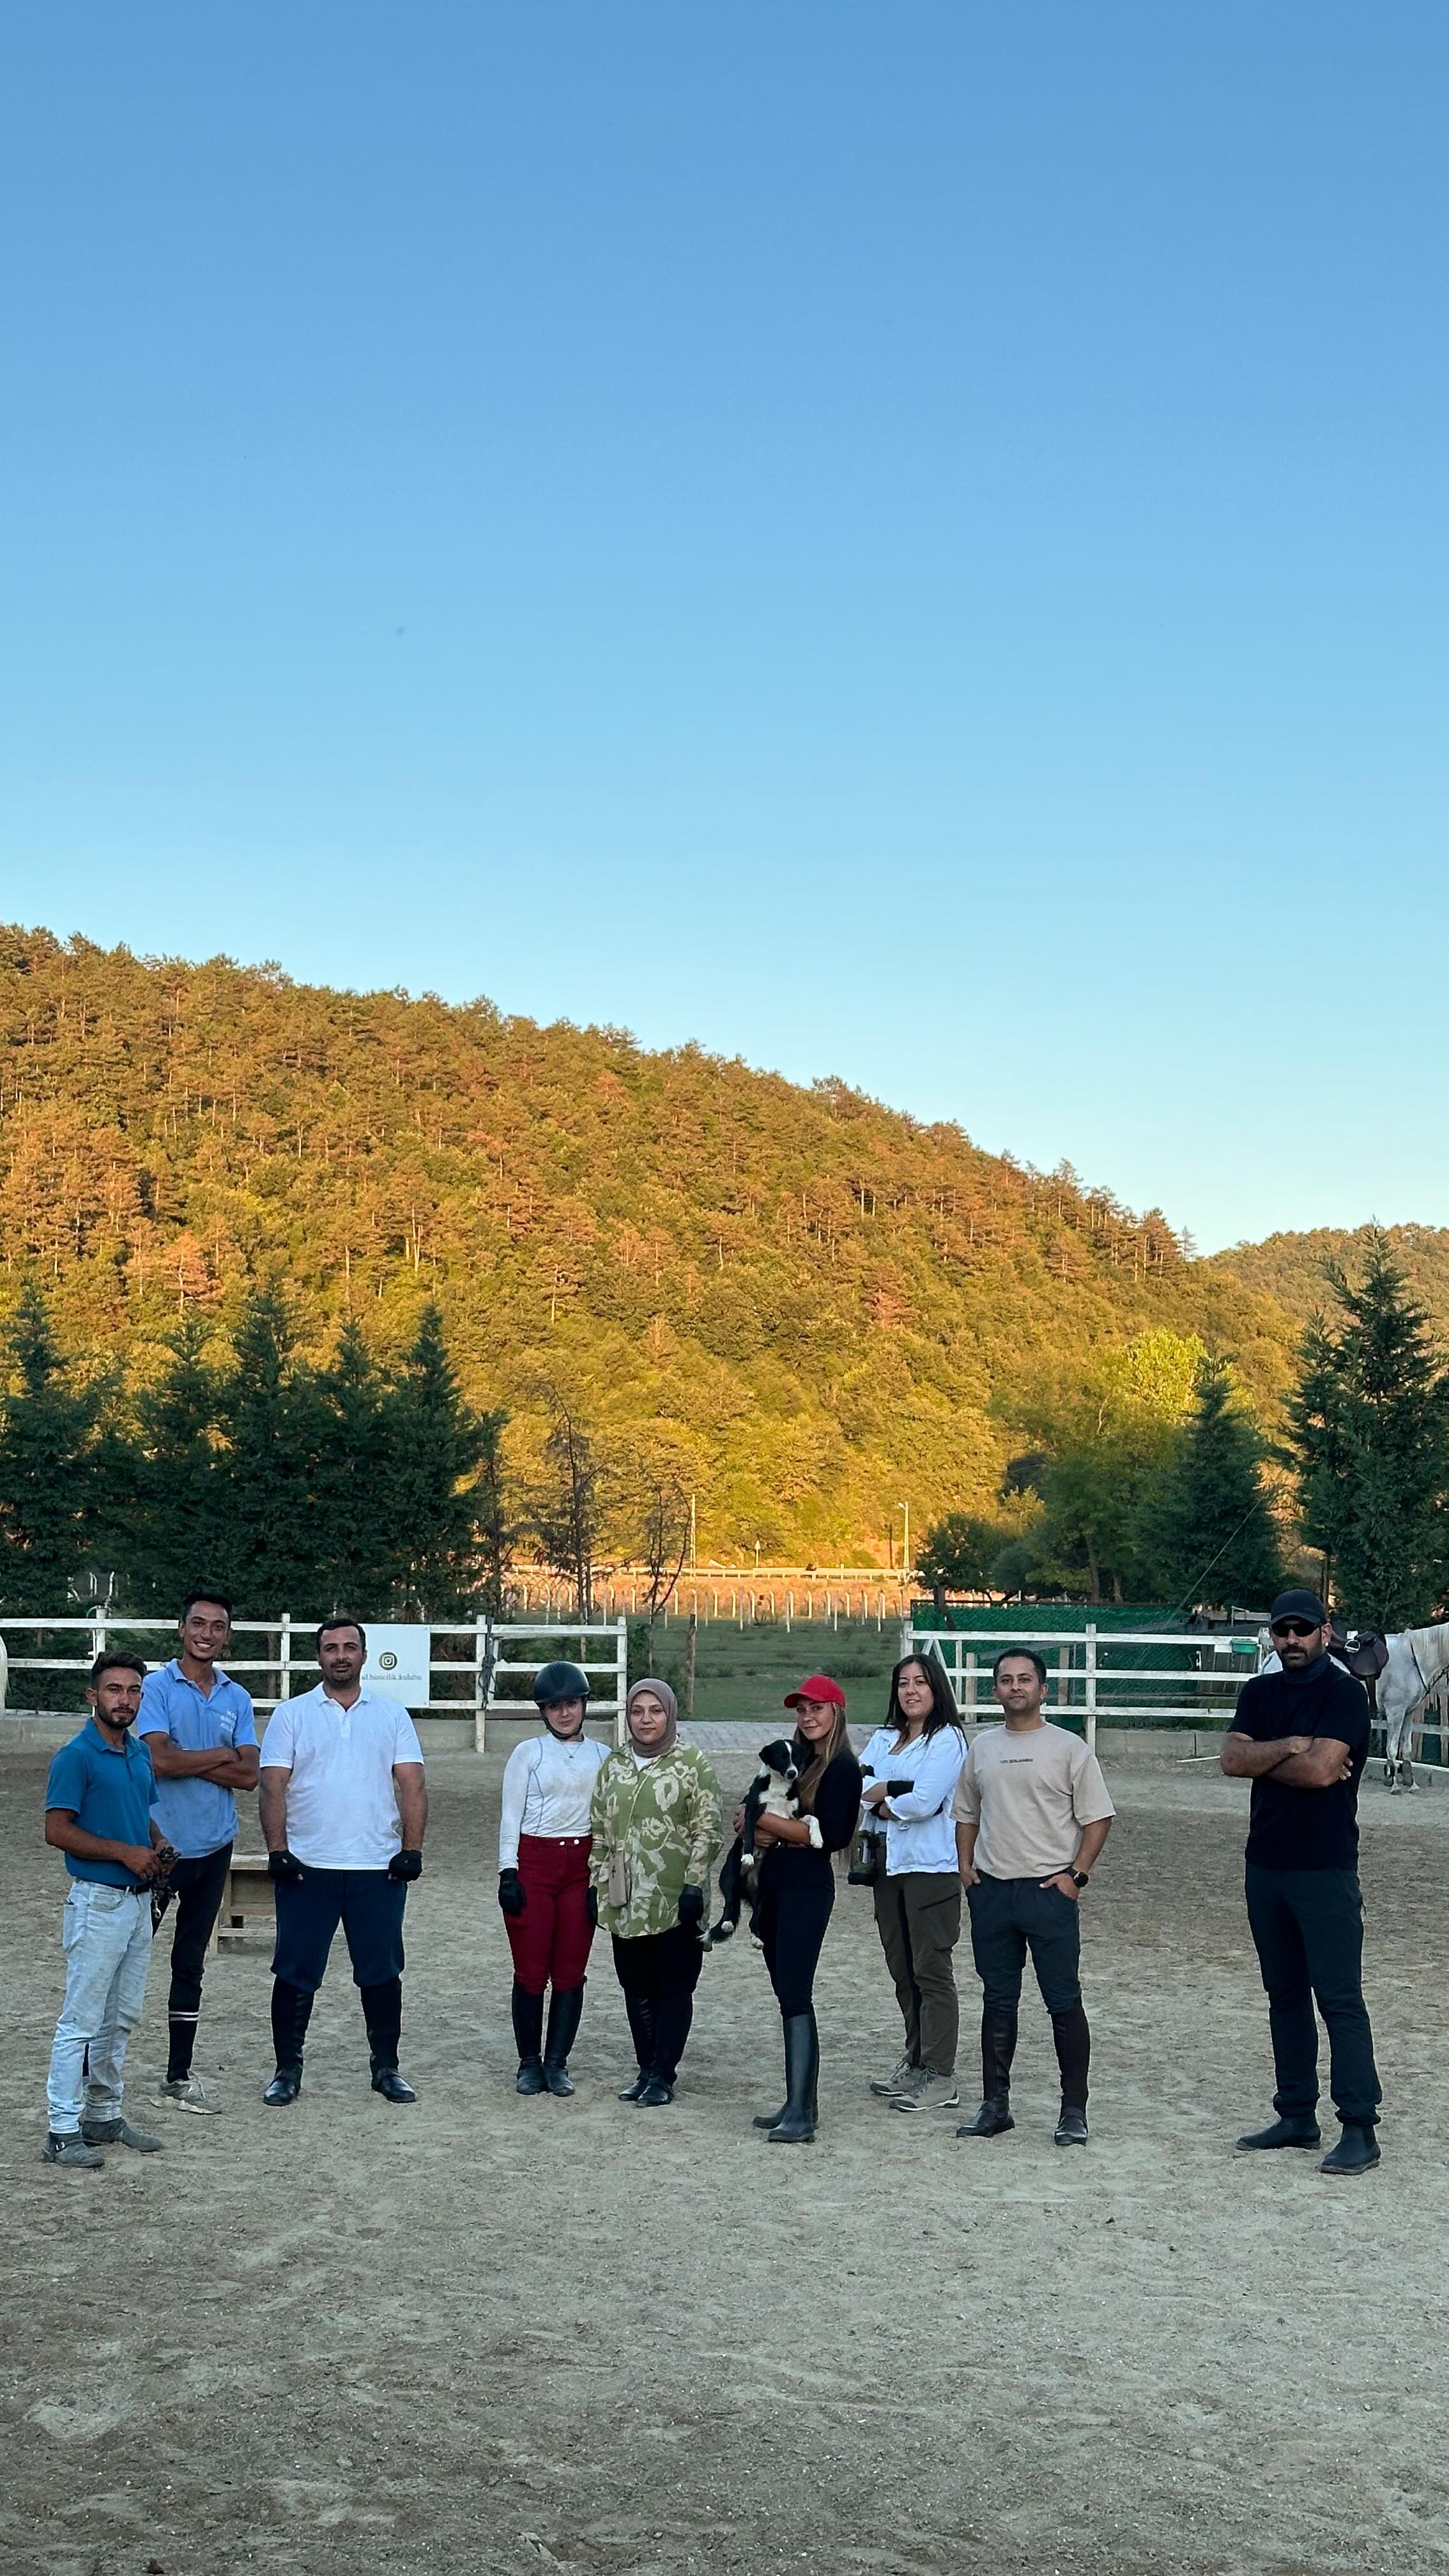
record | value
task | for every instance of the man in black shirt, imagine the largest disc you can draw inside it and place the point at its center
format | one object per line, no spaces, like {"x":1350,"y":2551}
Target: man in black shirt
{"x":1301,"y":1735}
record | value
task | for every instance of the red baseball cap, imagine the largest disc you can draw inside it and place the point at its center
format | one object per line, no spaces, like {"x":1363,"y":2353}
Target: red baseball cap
{"x":819,"y":1686}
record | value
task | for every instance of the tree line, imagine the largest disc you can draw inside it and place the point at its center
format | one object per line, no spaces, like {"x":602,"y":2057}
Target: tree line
{"x":1154,"y":1482}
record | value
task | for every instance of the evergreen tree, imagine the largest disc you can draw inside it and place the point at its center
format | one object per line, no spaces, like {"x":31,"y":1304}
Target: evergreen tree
{"x":1204,"y":1528}
{"x":358,"y":1559}
{"x":50,"y":1494}
{"x":1369,"y":1438}
{"x":272,"y":1420}
{"x":170,"y":1480}
{"x":445,"y":1478}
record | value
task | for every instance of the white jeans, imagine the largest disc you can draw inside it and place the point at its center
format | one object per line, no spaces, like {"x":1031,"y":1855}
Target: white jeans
{"x":107,"y":1936}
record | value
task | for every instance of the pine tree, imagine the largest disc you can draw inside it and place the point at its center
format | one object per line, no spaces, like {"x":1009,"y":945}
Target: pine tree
{"x":358,"y":1559}
{"x":1369,"y":1434}
{"x":1205,"y":1530}
{"x":50,"y":1489}
{"x":272,"y":1420}
{"x":171,"y":1480}
{"x":445,"y":1478}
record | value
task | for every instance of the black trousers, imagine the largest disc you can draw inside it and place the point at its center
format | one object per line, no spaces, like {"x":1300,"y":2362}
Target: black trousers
{"x":1011,"y":1916}
{"x":659,"y":1972}
{"x":197,"y":1888}
{"x":797,"y":1894}
{"x":368,"y":1905}
{"x":1307,"y":1927}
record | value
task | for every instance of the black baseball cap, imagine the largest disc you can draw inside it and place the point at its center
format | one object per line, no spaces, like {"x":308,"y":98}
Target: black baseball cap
{"x":1299,"y":1605}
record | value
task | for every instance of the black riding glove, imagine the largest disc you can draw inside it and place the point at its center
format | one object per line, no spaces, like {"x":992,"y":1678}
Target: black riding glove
{"x":510,"y":1891}
{"x":593,"y":1906}
{"x":691,"y":1905}
{"x":405,"y":1864}
{"x":283,"y":1864}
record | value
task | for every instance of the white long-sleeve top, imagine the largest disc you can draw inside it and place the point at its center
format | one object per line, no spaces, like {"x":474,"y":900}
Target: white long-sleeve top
{"x":548,"y":1789}
{"x":920,"y":1831}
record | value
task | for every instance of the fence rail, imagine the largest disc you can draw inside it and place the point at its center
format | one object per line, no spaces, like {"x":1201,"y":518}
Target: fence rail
{"x":1101,"y":1675}
{"x":603,"y":1649}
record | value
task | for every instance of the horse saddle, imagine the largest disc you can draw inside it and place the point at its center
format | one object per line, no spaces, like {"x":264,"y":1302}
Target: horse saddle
{"x":1361,"y":1651}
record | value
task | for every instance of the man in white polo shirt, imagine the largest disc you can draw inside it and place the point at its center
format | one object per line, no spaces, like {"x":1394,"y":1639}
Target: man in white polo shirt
{"x":344,"y":1808}
{"x":1032,"y":1813}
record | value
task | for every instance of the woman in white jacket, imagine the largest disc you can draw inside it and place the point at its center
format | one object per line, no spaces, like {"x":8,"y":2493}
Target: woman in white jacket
{"x":911,"y":1765}
{"x":543,"y":1876}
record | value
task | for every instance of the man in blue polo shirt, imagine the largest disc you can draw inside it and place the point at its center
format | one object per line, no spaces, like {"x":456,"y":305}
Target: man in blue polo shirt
{"x":98,"y":1803}
{"x":197,"y":1725}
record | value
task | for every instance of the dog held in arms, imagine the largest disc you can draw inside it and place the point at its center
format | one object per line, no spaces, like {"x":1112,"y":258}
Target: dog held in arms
{"x":774,"y":1791}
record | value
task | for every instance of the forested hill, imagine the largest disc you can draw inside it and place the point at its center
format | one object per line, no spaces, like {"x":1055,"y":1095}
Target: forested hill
{"x":1290,"y":1267}
{"x":807,"y":1305}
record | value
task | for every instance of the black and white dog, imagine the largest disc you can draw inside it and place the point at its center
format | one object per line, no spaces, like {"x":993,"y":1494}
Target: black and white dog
{"x":772,"y":1792}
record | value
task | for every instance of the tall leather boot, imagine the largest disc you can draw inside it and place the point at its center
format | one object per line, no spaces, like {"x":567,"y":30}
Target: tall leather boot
{"x":640,"y":2013}
{"x":382,"y":2012}
{"x":1073,"y":2042}
{"x":528,"y":2032}
{"x":291,"y":2012}
{"x":998,"y":2048}
{"x":564,"y":2011}
{"x":802,"y":2073}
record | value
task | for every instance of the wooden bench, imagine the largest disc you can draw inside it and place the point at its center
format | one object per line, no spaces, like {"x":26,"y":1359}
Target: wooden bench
{"x":248,"y":1906}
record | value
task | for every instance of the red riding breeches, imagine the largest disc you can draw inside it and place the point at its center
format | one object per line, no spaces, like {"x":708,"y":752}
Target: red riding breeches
{"x":550,"y":1939}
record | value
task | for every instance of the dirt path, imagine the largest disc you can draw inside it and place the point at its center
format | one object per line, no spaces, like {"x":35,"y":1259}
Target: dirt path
{"x":498,"y":2334}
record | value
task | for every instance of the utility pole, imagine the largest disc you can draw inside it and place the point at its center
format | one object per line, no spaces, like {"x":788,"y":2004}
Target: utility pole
{"x":906,"y":1553}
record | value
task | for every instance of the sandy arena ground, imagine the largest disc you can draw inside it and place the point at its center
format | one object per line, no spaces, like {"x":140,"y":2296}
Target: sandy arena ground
{"x":500,"y":2334}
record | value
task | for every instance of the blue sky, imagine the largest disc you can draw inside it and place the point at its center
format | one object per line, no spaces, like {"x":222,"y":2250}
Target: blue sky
{"x":906,"y":541}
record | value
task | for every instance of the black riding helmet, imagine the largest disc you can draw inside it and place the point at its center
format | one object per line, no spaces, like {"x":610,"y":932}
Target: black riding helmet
{"x":556,"y":1683}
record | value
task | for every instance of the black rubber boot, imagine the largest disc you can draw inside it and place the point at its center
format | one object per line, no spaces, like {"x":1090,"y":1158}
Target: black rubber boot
{"x":382,"y":2012}
{"x":1294,"y":2129}
{"x":802,"y":2075}
{"x":291,"y":2012}
{"x":1357,"y":2151}
{"x":564,"y":2011}
{"x":528,"y":2033}
{"x":641,"y":2030}
{"x":998,"y":2048}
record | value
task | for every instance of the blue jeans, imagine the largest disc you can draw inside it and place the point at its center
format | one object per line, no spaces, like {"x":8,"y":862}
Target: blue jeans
{"x":107,"y":1936}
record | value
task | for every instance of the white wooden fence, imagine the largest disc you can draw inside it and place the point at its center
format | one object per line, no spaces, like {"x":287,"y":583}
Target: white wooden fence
{"x":1100,"y":1675}
{"x":492,"y":1651}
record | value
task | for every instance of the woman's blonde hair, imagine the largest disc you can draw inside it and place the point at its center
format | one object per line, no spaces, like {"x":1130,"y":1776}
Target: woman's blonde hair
{"x":814,"y":1760}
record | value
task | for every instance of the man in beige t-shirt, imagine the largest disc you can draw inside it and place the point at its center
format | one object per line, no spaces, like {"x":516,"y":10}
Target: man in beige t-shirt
{"x":1032,"y":1813}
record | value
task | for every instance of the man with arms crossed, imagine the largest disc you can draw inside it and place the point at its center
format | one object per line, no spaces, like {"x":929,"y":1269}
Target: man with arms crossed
{"x":1032,"y":1813}
{"x":197,"y":1725}
{"x":1301,"y":1735}
{"x":98,"y":1802}
{"x":344,"y":1811}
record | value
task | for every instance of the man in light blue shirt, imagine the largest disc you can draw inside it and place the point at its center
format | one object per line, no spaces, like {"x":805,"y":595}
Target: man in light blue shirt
{"x":197,"y":1725}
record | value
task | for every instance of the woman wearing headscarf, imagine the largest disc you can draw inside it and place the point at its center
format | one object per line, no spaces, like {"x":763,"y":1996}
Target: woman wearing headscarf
{"x":656,"y":1831}
{"x":797,"y":1890}
{"x":912,"y":1765}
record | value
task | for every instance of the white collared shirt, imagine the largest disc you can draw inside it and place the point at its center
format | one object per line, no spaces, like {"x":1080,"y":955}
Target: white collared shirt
{"x":341,"y":1798}
{"x":548,"y":1790}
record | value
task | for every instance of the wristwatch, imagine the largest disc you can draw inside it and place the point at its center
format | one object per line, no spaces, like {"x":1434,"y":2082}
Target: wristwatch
{"x":1078,"y":1877}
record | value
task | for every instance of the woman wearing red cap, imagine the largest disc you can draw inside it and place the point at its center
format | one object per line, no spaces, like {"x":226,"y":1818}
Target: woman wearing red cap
{"x":797,"y":1890}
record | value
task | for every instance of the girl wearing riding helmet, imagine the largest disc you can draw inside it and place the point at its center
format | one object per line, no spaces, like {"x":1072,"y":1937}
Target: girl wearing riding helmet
{"x":912,"y":1764}
{"x":797,"y":1890}
{"x":543,"y":1876}
{"x":656,"y":1830}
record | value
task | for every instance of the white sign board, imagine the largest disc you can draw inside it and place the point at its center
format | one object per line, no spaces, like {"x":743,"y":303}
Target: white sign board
{"x":397,"y":1663}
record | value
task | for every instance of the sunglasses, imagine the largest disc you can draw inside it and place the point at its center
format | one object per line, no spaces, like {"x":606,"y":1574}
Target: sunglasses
{"x":1293,"y":1628}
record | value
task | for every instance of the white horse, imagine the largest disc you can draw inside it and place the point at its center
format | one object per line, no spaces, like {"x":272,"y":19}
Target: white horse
{"x":1418,"y":1663}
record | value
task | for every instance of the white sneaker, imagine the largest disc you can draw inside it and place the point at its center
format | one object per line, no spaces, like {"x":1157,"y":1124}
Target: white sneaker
{"x":187,"y":2093}
{"x":904,"y":2071}
{"x":930,"y":2092}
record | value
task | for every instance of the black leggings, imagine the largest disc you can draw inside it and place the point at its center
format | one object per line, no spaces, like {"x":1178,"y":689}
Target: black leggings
{"x":797,"y":1892}
{"x":197,"y":1888}
{"x":659,"y":1972}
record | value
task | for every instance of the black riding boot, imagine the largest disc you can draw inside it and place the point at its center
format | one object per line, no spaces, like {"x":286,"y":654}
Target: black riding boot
{"x":641,"y":2030}
{"x":1073,"y":2043}
{"x":563,"y":2022}
{"x":291,"y":2012}
{"x":998,"y":2048}
{"x":528,"y":2032}
{"x":382,"y":2012}
{"x":802,"y":2074}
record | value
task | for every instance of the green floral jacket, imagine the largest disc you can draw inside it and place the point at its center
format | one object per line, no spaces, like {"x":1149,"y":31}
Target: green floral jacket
{"x":663,"y":1821}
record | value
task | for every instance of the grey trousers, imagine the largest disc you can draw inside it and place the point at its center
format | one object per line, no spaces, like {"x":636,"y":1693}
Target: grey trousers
{"x":918,"y":1917}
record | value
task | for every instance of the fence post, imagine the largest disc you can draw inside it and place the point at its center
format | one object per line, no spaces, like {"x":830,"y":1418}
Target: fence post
{"x":969,"y":1694}
{"x":1090,"y":1685}
{"x":284,"y":1669}
{"x":691,"y":1648}
{"x":908,"y":1637}
{"x":621,"y":1690}
{"x":480,"y":1683}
